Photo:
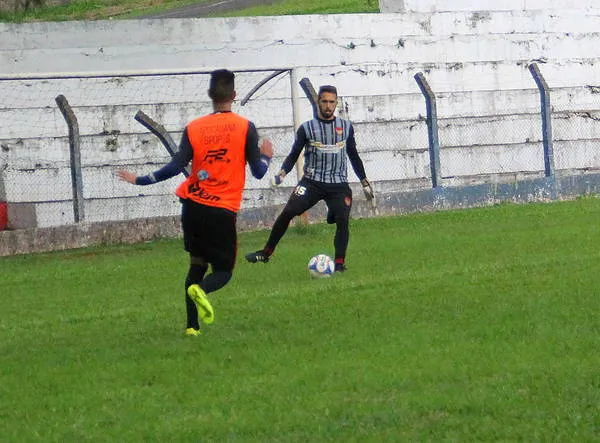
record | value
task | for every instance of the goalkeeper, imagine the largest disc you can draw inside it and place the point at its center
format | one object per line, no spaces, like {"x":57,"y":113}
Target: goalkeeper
{"x":328,"y":141}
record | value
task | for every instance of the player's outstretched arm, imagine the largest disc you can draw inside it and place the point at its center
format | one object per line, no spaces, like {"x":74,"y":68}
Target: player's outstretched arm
{"x":126,"y":176}
{"x":352,"y":152}
{"x":266,"y":148}
{"x":177,"y":164}
{"x":367,"y":189}
{"x":369,"y":195}
{"x":171,"y":169}
{"x":292,"y":157}
{"x":277,"y":179}
{"x":258,"y":156}
{"x":359,"y":170}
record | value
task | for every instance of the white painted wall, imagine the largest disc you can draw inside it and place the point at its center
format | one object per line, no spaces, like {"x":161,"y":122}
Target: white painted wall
{"x":481,"y":5}
{"x":474,"y":58}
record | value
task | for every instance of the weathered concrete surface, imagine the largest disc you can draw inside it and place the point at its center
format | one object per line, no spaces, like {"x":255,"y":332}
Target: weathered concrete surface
{"x":475,"y":61}
{"x":479,"y":5}
{"x":134,"y":231}
{"x":86,"y":234}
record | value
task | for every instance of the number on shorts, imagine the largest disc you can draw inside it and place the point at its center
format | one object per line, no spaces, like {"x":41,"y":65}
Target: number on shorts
{"x":300,"y":190}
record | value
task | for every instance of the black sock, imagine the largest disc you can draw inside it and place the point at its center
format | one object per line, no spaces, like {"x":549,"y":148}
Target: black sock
{"x":279,"y":227}
{"x":195,"y":276}
{"x":341,"y":238}
{"x":215,"y":281}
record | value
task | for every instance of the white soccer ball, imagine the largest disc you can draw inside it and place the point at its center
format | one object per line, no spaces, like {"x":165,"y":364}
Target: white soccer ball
{"x":321,"y":266}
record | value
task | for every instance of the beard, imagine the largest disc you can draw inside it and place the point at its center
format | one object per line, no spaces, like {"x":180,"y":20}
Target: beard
{"x":327,"y":113}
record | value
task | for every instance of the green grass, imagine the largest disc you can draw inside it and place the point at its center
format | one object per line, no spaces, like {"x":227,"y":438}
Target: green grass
{"x":127,"y":9}
{"x":473,"y":325}
{"x":94,"y":10}
{"x":298,"y":7}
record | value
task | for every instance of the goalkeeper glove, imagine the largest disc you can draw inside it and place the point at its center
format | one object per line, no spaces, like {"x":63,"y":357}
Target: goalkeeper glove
{"x":278,"y":179}
{"x":367,"y":189}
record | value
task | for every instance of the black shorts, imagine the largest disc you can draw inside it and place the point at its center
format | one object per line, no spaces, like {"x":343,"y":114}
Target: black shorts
{"x":307,"y":193}
{"x":210,"y":233}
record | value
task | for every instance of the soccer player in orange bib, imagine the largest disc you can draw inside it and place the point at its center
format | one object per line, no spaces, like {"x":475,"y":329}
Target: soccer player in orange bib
{"x":219,"y":145}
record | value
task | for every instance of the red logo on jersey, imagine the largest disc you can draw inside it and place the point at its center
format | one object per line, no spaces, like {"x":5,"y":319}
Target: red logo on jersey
{"x":339,"y":131}
{"x":216,"y":155}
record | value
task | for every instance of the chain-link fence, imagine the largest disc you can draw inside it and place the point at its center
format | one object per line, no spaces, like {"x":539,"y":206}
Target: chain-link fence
{"x":524,"y":132}
{"x":38,"y":175}
{"x":576,"y":128}
{"x":454,"y":138}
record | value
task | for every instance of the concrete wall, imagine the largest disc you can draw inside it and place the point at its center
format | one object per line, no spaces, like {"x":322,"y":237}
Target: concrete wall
{"x":481,"y":5}
{"x":475,"y":61}
{"x":24,"y":241}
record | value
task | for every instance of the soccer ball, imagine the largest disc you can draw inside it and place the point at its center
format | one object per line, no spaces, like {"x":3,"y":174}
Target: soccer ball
{"x":321,"y":266}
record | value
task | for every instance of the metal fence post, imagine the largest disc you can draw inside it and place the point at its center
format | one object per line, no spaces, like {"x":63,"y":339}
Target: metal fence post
{"x":546,"y":118}
{"x":432,"y":129}
{"x":162,"y":134}
{"x":75,"y":157}
{"x":311,"y":94}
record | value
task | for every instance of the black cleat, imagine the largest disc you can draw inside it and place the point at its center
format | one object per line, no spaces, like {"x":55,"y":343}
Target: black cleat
{"x":340,"y":267}
{"x":258,"y":256}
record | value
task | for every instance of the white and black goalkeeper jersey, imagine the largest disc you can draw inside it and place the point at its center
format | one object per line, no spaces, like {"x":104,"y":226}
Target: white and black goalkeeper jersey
{"x":327,"y":145}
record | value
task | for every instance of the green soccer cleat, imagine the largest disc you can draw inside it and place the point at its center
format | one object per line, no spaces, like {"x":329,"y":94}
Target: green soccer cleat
{"x":191,"y":332}
{"x":205,"y":310}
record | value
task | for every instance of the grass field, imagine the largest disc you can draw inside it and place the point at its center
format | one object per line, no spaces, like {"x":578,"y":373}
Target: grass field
{"x":127,"y":9}
{"x":297,"y":7}
{"x":472,"y":325}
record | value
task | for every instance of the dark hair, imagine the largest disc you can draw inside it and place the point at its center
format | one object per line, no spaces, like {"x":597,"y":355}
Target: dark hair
{"x":222,"y":85}
{"x":327,"y":88}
